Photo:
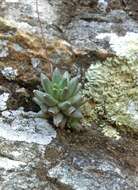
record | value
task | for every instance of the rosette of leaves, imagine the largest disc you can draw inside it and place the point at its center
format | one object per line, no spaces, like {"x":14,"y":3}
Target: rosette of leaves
{"x":60,"y":99}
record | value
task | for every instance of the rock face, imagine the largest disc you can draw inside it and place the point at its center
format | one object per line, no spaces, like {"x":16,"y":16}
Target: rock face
{"x":15,"y":127}
{"x":75,"y":21}
{"x":29,"y":159}
{"x":84,"y":30}
{"x":22,"y":56}
{"x":22,"y":138}
{"x":33,"y":156}
{"x":54,"y":14}
{"x":123,"y":46}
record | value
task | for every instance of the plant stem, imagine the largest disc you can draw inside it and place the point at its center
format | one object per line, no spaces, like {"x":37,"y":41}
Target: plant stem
{"x":43,"y":39}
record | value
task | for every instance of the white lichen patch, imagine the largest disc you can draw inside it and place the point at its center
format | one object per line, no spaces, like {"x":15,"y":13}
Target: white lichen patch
{"x":103,"y":4}
{"x":9,"y":73}
{"x":125,"y":46}
{"x":18,"y":47}
{"x":3,"y":101}
{"x":8,"y":164}
{"x":133,"y":110}
{"x":35,"y":62}
{"x":111,"y":132}
{"x":4,"y":51}
{"x":21,"y":126}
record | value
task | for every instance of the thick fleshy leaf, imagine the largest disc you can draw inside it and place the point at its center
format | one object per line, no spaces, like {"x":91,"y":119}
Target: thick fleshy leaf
{"x":63,"y":83}
{"x":77,"y":89}
{"x":69,"y":111}
{"x":63,"y":123}
{"x":38,"y":102}
{"x":58,"y":119}
{"x":56,"y":93}
{"x":40,"y":95}
{"x":77,"y":114}
{"x":76,"y":100}
{"x":65,"y":94}
{"x":64,"y":105}
{"x":46,"y":84}
{"x":56,"y":76}
{"x":73,"y":85}
{"x":60,"y":93}
{"x":73,"y":123}
{"x":53,"y":110}
{"x":41,"y":105}
{"x":50,"y":100}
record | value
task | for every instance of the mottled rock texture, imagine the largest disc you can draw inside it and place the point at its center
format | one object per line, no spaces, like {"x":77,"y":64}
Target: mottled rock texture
{"x":25,"y":54}
{"x":32,"y":155}
{"x":31,"y":158}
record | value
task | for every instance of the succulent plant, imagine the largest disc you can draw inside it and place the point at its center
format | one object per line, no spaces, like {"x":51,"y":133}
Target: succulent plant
{"x":60,"y":99}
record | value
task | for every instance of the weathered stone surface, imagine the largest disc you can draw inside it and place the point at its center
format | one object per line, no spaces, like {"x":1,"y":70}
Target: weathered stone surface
{"x":32,"y":130}
{"x":83,"y":30}
{"x":76,"y":21}
{"x":86,"y":178}
{"x":23,"y":138}
{"x":54,"y":14}
{"x":63,"y":163}
{"x":80,"y":168}
{"x":29,"y":158}
{"x":25,"y":16}
{"x":22,"y":56}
